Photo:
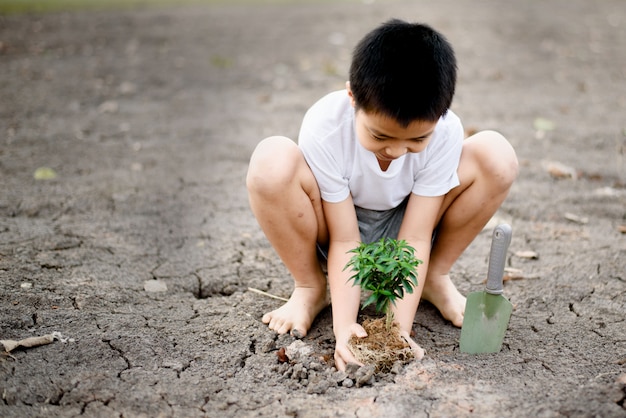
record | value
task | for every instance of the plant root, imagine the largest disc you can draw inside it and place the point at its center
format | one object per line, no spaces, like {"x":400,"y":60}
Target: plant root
{"x":382,"y":347}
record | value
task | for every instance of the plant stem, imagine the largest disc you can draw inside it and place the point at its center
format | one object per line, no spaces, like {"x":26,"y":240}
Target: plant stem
{"x":389,"y":318}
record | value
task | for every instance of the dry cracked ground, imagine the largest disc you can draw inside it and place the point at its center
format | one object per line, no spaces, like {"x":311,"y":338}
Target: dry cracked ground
{"x":140,"y":252}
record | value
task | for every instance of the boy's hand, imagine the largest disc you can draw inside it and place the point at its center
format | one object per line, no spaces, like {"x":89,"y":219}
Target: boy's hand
{"x":343,"y":355}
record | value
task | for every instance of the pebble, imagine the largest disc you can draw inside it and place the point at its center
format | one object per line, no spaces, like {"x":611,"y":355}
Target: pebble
{"x":317,"y":379}
{"x":268,"y":346}
{"x":365,"y":375}
{"x":352,"y":369}
{"x":396,"y":368}
{"x":316,"y":366}
{"x":340,"y":376}
{"x":298,"y":350}
{"x":318,"y":388}
{"x":299,"y":372}
{"x":154,"y":286}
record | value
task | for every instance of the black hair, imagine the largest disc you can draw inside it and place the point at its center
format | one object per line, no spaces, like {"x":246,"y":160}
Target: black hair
{"x":402,"y":70}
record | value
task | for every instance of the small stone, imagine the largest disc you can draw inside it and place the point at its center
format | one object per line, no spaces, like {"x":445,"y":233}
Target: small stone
{"x":154,"y":286}
{"x":298,"y":350}
{"x":283,"y":367}
{"x":316,"y":366}
{"x":352,"y":369}
{"x":269,"y":346}
{"x":396,"y":368}
{"x":347,"y":383}
{"x":365,"y":375}
{"x":299,"y":372}
{"x":339,"y":376}
{"x":306,"y":362}
{"x":318,"y":388}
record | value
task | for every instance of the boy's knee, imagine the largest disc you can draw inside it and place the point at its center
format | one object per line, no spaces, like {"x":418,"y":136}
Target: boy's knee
{"x":272,"y":165}
{"x":497,"y":157}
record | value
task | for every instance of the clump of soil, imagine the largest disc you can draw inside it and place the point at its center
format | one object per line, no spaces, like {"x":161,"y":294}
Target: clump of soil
{"x":382,"y":347}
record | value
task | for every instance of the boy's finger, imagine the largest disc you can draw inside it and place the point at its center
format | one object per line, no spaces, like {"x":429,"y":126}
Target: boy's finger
{"x":348,"y":357}
{"x":339,"y":363}
{"x":358,"y":331}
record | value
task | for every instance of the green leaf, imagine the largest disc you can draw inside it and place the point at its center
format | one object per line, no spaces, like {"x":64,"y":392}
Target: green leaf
{"x":543,"y":124}
{"x":381,"y":305}
{"x":45,"y":173}
{"x":372,"y":299}
{"x":387,"y":268}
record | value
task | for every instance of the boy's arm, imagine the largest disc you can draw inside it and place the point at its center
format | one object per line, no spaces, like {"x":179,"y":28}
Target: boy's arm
{"x":345,"y":298}
{"x":417,"y":228}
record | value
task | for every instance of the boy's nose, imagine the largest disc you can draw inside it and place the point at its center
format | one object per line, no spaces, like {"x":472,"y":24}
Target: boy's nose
{"x":395,"y":152}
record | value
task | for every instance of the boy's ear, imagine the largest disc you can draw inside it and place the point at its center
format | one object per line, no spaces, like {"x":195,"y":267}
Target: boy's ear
{"x":350,"y":94}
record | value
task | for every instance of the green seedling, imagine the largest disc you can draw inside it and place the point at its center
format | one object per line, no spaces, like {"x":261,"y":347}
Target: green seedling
{"x":387,"y":268}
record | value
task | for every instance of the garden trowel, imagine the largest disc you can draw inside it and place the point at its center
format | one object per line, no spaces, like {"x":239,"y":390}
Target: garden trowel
{"x":487,"y":313}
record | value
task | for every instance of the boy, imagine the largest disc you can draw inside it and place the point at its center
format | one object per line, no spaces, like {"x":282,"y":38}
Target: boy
{"x":385,"y":157}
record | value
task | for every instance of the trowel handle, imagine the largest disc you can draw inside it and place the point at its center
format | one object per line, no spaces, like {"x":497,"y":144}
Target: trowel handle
{"x":497,"y":258}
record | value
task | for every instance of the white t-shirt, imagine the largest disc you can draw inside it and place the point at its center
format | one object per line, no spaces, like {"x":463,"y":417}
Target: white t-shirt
{"x":342,"y":166}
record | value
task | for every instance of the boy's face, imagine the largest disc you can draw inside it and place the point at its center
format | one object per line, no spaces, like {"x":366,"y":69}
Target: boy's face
{"x":389,"y":140}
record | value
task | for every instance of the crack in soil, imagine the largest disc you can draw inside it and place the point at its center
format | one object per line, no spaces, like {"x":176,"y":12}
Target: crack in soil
{"x":121,"y":354}
{"x":573,"y":309}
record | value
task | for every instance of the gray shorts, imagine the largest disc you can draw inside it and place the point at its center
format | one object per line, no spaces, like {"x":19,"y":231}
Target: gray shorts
{"x":373,"y":225}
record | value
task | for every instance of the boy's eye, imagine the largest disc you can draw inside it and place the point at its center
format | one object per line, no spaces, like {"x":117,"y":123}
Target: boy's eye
{"x":422,"y":138}
{"x":385,"y":138}
{"x":378,"y":137}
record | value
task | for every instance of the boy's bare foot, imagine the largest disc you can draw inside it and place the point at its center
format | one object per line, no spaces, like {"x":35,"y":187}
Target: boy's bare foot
{"x":441,"y":292}
{"x":297,"y":315}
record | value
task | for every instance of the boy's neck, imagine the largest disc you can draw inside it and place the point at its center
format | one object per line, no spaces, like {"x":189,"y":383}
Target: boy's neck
{"x":384,"y":165}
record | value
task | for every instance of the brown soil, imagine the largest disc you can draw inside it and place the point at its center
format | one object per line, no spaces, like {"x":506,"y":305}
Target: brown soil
{"x":382,"y":347}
